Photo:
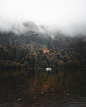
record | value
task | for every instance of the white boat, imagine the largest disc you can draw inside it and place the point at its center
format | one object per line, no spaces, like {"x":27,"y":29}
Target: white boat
{"x":48,"y":69}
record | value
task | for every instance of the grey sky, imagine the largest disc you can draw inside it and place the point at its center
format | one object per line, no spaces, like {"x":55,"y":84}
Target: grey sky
{"x":69,"y":16}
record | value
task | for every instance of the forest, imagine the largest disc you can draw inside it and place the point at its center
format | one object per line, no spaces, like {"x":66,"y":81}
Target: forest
{"x":37,"y":50}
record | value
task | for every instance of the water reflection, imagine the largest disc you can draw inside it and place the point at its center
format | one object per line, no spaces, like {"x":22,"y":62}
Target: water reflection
{"x":38,"y":87}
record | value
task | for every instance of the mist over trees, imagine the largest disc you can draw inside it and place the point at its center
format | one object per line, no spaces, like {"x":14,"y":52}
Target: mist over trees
{"x":36,"y":50}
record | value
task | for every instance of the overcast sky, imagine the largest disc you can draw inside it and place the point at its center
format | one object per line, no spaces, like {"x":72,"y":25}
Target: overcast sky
{"x":66,"y":15}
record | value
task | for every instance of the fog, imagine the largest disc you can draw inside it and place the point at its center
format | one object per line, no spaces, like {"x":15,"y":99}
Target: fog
{"x":67,"y":16}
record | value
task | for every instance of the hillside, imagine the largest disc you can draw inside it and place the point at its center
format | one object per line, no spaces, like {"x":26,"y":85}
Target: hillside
{"x":35,"y":49}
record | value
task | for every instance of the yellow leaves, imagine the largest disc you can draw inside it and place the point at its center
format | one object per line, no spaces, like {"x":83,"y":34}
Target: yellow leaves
{"x":34,"y":97}
{"x":52,"y":89}
{"x":58,"y":95}
{"x":67,"y":94}
{"x":7,"y":103}
{"x":51,"y":57}
{"x":19,"y":99}
{"x":33,"y":89}
{"x":42,"y":92}
{"x":63,"y":91}
{"x":46,"y":51}
{"x":6,"y":50}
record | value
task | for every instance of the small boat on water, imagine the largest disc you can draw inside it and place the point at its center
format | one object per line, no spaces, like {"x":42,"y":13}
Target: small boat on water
{"x":48,"y":69}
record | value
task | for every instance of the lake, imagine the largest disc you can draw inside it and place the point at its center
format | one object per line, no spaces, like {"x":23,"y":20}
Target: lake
{"x":41,"y":88}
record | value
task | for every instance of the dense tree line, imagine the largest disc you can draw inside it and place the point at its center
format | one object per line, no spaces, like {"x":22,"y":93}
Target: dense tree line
{"x":33,"y":50}
{"x":70,"y":55}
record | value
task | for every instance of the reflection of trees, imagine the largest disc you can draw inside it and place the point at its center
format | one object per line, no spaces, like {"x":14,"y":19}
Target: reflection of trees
{"x":33,"y":82}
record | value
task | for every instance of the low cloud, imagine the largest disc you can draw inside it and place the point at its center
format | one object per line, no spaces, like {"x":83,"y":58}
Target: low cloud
{"x":67,"y":16}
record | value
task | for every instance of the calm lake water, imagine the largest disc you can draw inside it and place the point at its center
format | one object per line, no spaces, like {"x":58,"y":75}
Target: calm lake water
{"x":41,"y":88}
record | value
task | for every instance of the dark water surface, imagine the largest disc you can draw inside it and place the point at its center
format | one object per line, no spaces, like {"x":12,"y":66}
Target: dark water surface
{"x":41,"y":88}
